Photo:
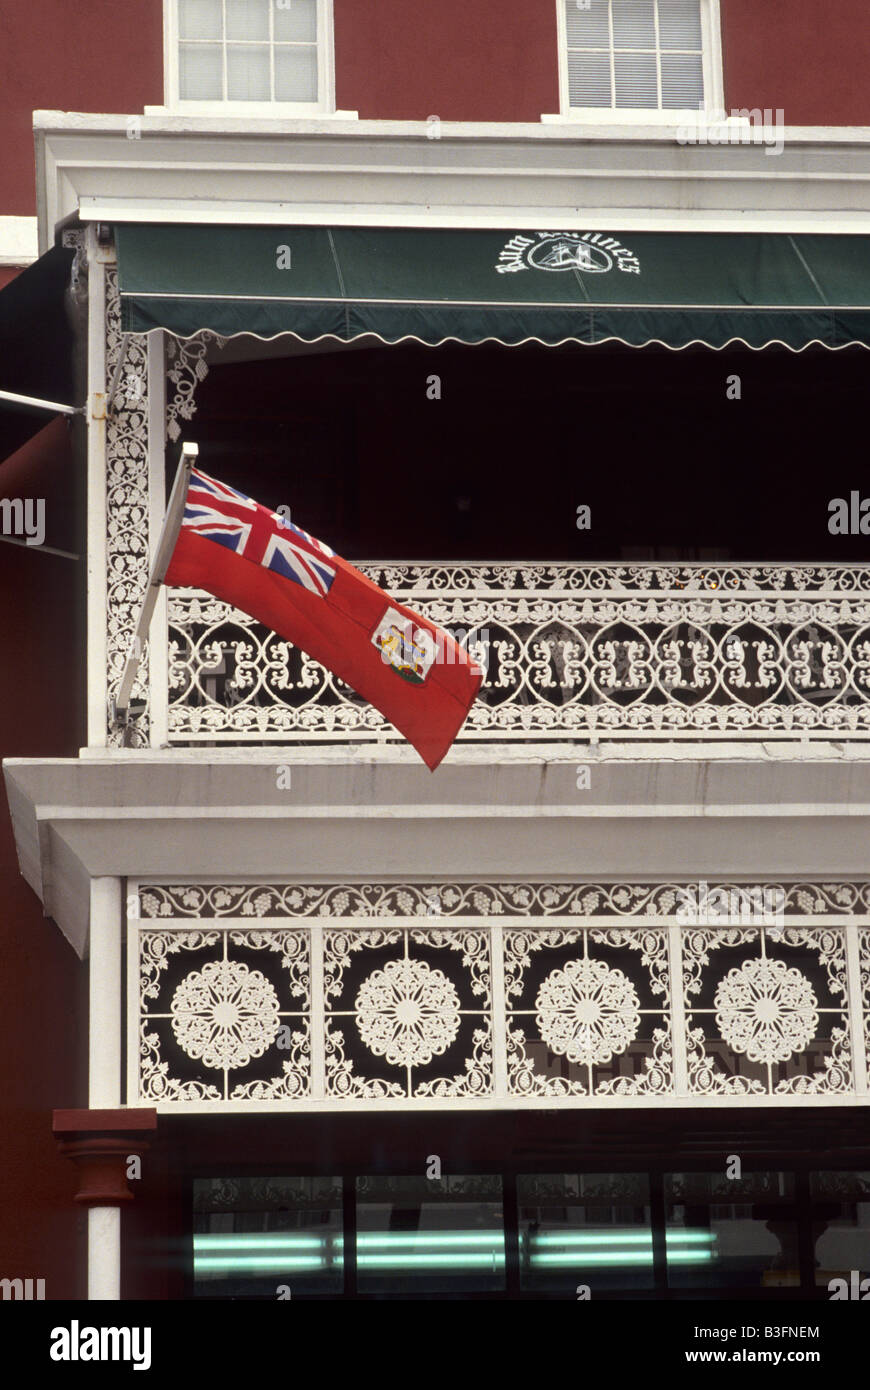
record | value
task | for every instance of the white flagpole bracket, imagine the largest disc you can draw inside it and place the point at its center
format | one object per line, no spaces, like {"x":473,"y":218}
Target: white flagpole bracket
{"x":121,"y":707}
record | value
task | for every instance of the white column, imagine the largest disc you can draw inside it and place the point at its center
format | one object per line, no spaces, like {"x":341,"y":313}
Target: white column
{"x":158,"y":641}
{"x":96,"y":493}
{"x":104,"y":1071}
{"x":104,"y":1254}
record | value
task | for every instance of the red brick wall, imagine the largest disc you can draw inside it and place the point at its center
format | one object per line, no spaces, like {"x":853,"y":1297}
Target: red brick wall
{"x":91,"y":55}
{"x":43,"y":1018}
{"x":807,"y":57}
{"x":491,"y":60}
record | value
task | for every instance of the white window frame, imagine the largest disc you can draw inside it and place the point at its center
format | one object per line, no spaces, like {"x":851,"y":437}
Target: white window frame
{"x":714,"y":94}
{"x":271,"y":109}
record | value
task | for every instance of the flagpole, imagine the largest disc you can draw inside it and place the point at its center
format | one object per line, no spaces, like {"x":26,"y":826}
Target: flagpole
{"x":120,"y":702}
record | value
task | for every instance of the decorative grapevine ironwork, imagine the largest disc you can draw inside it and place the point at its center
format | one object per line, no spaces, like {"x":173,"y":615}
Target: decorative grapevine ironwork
{"x":864,"y":969}
{"x":475,"y":899}
{"x":569,"y":650}
{"x":519,"y":993}
{"x":127,"y":506}
{"x":186,"y":369}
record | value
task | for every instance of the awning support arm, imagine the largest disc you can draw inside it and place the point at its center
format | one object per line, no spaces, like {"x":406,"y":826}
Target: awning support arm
{"x":116,"y":375}
{"x":54,"y":406}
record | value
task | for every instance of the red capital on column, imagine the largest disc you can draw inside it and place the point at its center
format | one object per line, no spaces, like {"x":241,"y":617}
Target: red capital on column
{"x":99,"y":1142}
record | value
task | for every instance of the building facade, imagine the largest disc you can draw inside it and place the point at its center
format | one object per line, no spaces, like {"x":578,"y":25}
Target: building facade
{"x":546,"y":317}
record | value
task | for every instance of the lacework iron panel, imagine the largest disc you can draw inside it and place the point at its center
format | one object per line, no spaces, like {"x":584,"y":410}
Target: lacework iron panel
{"x":617,"y":651}
{"x":412,"y":994}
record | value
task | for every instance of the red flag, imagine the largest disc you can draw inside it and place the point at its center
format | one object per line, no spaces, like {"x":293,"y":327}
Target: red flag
{"x":407,"y":667}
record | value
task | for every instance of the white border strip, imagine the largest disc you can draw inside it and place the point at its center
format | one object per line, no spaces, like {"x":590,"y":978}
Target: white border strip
{"x":18,"y":241}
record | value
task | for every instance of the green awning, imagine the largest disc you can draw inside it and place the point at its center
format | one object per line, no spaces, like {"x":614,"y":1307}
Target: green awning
{"x":436,"y":285}
{"x":36,"y":347}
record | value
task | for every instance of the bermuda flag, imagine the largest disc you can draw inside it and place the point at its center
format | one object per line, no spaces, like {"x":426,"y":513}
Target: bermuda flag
{"x":409,"y":669}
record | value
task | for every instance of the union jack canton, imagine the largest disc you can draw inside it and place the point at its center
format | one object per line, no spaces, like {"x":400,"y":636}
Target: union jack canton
{"x":219,"y":513}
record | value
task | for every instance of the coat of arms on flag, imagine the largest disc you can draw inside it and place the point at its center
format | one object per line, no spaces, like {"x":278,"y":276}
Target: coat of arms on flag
{"x":215,"y":538}
{"x":407,"y":649}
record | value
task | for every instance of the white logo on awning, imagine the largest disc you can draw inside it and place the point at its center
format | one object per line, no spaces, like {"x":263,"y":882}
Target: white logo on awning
{"x":592,"y":253}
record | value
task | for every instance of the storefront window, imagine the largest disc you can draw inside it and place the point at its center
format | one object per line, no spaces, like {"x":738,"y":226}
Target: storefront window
{"x":590,"y":1229}
{"x":841,"y":1227}
{"x":267,"y":1237}
{"x":731,"y":1232}
{"x":421,"y":1235}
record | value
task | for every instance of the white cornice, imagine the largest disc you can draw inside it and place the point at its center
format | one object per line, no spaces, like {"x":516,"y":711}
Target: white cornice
{"x":566,"y":174}
{"x":358,"y":815}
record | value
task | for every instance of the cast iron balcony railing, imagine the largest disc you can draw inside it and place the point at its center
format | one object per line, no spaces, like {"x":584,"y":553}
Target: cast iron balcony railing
{"x":571,"y":651}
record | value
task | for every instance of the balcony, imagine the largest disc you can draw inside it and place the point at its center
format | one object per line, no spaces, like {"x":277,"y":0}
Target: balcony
{"x":582,"y":652}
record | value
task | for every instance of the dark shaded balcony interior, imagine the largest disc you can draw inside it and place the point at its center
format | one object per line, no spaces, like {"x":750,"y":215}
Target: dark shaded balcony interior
{"x":521,"y":437}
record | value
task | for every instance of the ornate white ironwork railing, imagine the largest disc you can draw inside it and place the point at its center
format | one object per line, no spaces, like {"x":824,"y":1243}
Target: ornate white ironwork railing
{"x":571,"y":651}
{"x":408,"y":995}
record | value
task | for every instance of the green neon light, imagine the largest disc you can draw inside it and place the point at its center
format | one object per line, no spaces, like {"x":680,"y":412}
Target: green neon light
{"x":620,"y":1238}
{"x":442,"y":1250}
{"x":257,"y":1263}
{"x":399,"y":1262}
{"x":258,"y":1242}
{"x":492,"y":1239}
{"x":627,"y":1257}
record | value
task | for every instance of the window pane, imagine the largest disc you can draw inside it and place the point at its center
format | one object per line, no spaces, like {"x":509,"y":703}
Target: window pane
{"x":199,"y":19}
{"x":586,"y":1228}
{"x":251,"y":1235}
{"x":430,"y":1235}
{"x":200,"y":72}
{"x":636,"y":80}
{"x":679,"y":24}
{"x":588,"y":28}
{"x":589,"y":79}
{"x":296,"y":20}
{"x":682,"y":81}
{"x":248,"y":72}
{"x":731,"y":1233}
{"x":296,"y":73}
{"x":841,"y":1225}
{"x":248,"y":19}
{"x":634,"y":24}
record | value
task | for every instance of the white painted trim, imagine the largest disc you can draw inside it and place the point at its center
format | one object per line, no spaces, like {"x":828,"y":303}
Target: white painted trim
{"x":104,"y":980}
{"x":856,"y":1011}
{"x":714,"y":86}
{"x":325,"y":76}
{"x":19,"y":240}
{"x":387,"y":173}
{"x":678,"y":1009}
{"x":476,"y":132}
{"x":606,"y":219}
{"x":131,"y":918}
{"x":715,"y":70}
{"x":97,"y":598}
{"x":336,"y":1105}
{"x":158,"y":640}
